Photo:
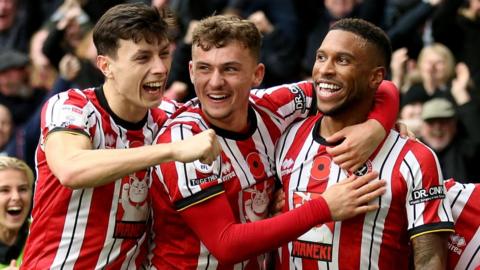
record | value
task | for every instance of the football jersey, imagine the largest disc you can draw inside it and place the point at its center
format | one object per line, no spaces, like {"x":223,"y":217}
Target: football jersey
{"x":413,"y":204}
{"x":464,"y":244}
{"x":90,"y":228}
{"x":245,"y":171}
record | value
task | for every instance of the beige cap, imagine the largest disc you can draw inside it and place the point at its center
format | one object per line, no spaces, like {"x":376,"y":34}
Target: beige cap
{"x":438,"y":108}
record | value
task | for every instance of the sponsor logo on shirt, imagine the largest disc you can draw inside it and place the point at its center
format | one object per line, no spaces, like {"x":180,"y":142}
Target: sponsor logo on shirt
{"x":456,"y":243}
{"x":314,"y":251}
{"x":427,"y":194}
{"x":299,"y":98}
{"x":317,"y":243}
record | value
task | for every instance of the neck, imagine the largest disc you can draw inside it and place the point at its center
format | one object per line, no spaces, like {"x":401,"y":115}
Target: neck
{"x":333,"y":123}
{"x":239,"y":125}
{"x":122,"y":107}
{"x":8,"y":236}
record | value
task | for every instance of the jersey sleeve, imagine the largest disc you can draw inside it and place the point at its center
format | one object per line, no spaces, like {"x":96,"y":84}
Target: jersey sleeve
{"x":387,"y":104}
{"x":286,"y":103}
{"x":188,"y":183}
{"x":428,"y":209}
{"x":67,"y":111}
{"x":214,"y":223}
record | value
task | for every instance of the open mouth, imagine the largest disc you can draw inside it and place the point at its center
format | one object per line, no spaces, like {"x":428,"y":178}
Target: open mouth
{"x":153,"y":87}
{"x":327,"y":89}
{"x":14,"y":210}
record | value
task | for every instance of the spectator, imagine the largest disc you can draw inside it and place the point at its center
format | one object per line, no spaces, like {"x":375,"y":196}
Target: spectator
{"x":6,"y":128}
{"x":15,"y":91}
{"x":16,"y":180}
{"x":459,"y":155}
{"x":14,"y":32}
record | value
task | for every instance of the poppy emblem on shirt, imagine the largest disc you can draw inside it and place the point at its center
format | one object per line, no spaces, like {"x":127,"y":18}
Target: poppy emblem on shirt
{"x":256,"y":165}
{"x":321,"y":168}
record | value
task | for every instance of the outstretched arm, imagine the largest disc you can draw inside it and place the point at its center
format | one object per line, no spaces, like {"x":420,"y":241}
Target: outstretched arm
{"x":214,"y":222}
{"x":73,"y":161}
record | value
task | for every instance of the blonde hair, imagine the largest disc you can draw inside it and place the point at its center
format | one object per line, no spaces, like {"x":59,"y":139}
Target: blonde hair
{"x":16,"y":164}
{"x":445,"y":53}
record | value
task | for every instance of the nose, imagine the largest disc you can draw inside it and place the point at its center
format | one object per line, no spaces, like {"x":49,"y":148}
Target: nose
{"x":216,"y":80}
{"x":326,"y":67}
{"x":160,"y":66}
{"x":15,"y":195}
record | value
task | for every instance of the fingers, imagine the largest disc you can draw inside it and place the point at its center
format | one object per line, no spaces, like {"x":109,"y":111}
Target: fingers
{"x":378,"y":190}
{"x":366,"y":208}
{"x":363,"y":180}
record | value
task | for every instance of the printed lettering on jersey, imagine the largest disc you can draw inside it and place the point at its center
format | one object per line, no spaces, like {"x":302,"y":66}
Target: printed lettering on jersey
{"x":456,"y":243}
{"x":133,"y":207}
{"x":321,"y":168}
{"x":427,"y":194}
{"x":206,"y":173}
{"x":255,"y":165}
{"x":72,"y":116}
{"x":317,"y":243}
{"x":299,"y":98}
{"x":257,"y":199}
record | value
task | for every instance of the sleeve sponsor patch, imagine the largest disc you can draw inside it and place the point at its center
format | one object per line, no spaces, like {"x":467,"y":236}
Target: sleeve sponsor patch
{"x":427,"y":194}
{"x":299,"y":99}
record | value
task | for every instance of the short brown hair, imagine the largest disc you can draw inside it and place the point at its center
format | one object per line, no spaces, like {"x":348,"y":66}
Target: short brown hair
{"x":220,"y":30}
{"x":130,"y":22}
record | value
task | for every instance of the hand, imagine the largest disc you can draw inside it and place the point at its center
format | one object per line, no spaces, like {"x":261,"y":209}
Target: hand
{"x":278,"y":203}
{"x":261,"y":22}
{"x":177,"y":91}
{"x":359,"y":142}
{"x":12,"y":265}
{"x":203,"y":146}
{"x":402,"y":128}
{"x":69,"y":67}
{"x":398,"y":66}
{"x":351,"y":196}
{"x":460,"y":84}
{"x":187,"y":39}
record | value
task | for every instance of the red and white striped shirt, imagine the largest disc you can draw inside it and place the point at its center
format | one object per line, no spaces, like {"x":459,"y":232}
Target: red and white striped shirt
{"x":413,"y":203}
{"x":90,"y":228}
{"x":464,"y":244}
{"x":245,"y":171}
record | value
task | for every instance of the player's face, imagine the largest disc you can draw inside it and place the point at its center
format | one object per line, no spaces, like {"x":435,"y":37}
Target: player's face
{"x":137,"y":76}
{"x":223,"y":78}
{"x":15,"y":198}
{"x":342,"y":72}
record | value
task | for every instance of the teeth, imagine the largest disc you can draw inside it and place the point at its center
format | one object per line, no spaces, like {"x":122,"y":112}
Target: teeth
{"x":328,"y":86}
{"x":14,"y":208}
{"x":218,"y":96}
{"x":154,"y":84}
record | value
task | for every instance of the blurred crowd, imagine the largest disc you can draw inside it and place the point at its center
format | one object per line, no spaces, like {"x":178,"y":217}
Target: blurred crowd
{"x":46,"y":47}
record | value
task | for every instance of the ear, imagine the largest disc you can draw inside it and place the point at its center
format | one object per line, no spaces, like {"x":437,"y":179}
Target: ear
{"x":190,"y":71}
{"x":376,"y":77}
{"x":258,"y":75}
{"x":104,"y":66}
